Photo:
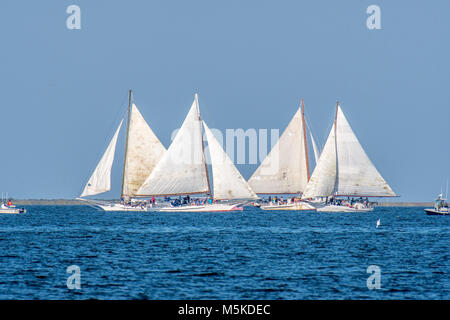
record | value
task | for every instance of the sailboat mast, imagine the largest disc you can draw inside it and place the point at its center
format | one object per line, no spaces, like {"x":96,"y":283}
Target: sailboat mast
{"x":336,"y":182}
{"x":335,"y":119}
{"x":203,"y":145}
{"x":304,"y":137}
{"x":126,"y":142}
{"x":446,"y":191}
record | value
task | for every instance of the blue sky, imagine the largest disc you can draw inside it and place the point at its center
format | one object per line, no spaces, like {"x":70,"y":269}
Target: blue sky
{"x":62,"y":91}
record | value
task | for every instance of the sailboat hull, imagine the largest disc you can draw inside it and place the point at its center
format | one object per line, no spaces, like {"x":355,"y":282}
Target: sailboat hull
{"x":201,"y":208}
{"x":120,"y":207}
{"x":336,"y":208}
{"x":302,"y":206}
{"x":115,"y":206}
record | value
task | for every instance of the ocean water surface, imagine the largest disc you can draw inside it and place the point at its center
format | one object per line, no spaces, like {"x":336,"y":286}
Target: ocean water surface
{"x":243,"y":255}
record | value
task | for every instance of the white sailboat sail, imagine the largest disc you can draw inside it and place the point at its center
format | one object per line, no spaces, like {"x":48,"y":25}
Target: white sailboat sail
{"x":100,"y":180}
{"x":344,"y":168}
{"x":323,"y":179}
{"x":284,"y":170}
{"x":313,"y":142}
{"x":182,"y":169}
{"x":357,"y":176}
{"x":143,"y":152}
{"x":316,"y":151}
{"x":228,"y":183}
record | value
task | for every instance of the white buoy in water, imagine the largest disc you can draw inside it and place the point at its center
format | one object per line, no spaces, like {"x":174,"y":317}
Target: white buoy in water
{"x":378,"y":223}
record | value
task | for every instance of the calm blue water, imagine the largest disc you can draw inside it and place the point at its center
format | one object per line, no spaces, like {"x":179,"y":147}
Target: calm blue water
{"x":246,"y":255}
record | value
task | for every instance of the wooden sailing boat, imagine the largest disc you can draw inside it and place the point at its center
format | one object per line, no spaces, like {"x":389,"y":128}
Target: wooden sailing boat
{"x":345,"y":170}
{"x":183,"y":171}
{"x":143,"y":150}
{"x":285,"y":170}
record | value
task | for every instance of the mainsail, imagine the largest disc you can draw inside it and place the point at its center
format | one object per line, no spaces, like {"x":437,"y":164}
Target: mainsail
{"x":344,"y":169}
{"x":323,"y":179}
{"x":285,"y":169}
{"x":100,"y":180}
{"x":182,"y":169}
{"x":228,"y":183}
{"x":143,"y":152}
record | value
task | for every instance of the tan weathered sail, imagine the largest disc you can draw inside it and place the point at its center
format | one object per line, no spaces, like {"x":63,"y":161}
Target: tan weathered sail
{"x":285,"y":169}
{"x":182,"y":169}
{"x":227,"y":180}
{"x":144,"y":150}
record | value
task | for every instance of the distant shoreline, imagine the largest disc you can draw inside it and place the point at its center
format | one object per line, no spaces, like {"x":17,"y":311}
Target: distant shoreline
{"x":73,"y":202}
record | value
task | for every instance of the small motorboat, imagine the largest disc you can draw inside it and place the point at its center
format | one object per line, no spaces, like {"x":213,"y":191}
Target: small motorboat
{"x":9,"y":208}
{"x":440,"y":207}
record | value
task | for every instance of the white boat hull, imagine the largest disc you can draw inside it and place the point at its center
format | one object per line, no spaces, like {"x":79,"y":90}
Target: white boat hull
{"x":115,"y":206}
{"x":436,"y":212}
{"x":12,"y":211}
{"x":121,"y":207}
{"x":336,"y":208}
{"x":215,"y":207}
{"x":118,"y":207}
{"x":300,"y":206}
